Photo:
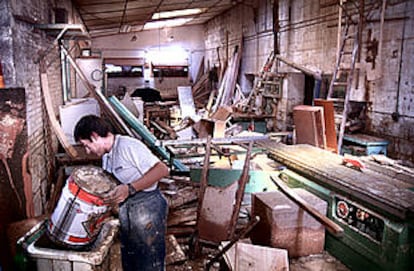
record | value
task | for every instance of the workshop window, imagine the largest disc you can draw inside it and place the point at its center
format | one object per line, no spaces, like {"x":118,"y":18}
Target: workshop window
{"x":124,"y":71}
{"x":170,"y":71}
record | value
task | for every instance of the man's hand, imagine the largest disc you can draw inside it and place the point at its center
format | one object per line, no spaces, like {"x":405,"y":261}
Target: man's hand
{"x":116,"y":196}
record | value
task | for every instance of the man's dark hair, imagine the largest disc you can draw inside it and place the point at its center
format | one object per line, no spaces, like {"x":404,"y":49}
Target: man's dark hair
{"x":89,"y":124}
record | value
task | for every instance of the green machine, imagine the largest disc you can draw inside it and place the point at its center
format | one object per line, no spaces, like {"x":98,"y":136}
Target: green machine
{"x":375,"y":207}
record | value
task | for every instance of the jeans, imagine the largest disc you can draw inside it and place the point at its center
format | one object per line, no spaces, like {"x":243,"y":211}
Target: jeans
{"x":143,"y":226}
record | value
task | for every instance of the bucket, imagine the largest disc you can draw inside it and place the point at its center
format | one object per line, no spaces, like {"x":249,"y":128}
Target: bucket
{"x":80,"y":211}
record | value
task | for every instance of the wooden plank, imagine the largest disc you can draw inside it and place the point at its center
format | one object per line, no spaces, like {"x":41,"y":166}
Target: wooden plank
{"x":183,"y":196}
{"x":186,"y":100}
{"x":252,"y":257}
{"x":244,"y":232}
{"x":56,"y":191}
{"x":202,"y":191}
{"x":217,"y":141}
{"x":52,"y":118}
{"x":244,"y":178}
{"x":329,"y":118}
{"x":234,"y":73}
{"x":176,"y":217}
{"x":27,"y":186}
{"x":315,"y":74}
{"x":181,"y":230}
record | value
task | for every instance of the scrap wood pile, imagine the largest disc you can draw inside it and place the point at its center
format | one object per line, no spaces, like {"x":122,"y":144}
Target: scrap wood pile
{"x":201,"y":216}
{"x":182,"y":197}
{"x":227,"y":93}
{"x":205,"y":91}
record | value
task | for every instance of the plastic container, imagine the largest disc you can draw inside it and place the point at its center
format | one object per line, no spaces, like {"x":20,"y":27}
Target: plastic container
{"x":95,"y":259}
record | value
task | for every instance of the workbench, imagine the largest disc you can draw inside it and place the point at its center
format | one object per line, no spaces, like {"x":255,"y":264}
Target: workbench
{"x":368,"y":144}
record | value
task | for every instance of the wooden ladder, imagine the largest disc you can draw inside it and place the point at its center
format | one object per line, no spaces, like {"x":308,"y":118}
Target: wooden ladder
{"x":345,"y":40}
{"x":249,"y":103}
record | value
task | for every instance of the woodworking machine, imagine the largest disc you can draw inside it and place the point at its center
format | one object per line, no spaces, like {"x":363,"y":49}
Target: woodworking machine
{"x":374,"y":206}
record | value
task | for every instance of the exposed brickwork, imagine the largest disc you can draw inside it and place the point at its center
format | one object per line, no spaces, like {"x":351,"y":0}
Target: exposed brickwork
{"x":24,"y":45}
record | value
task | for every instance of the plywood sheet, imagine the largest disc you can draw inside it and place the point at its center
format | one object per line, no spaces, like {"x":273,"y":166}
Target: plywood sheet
{"x":216,"y":212}
{"x":309,"y":125}
{"x":329,"y":118}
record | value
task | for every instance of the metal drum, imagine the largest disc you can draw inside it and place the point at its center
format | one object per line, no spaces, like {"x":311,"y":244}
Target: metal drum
{"x":78,"y":216}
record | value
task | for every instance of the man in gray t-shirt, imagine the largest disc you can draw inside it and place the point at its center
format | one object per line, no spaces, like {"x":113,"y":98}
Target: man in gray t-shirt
{"x":142,"y":208}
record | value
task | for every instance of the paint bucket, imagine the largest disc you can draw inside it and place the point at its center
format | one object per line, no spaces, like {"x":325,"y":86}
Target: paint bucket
{"x":80,"y":211}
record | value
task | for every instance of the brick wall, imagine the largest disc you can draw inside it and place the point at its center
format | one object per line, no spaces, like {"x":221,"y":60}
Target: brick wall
{"x":24,"y":45}
{"x":28,"y":47}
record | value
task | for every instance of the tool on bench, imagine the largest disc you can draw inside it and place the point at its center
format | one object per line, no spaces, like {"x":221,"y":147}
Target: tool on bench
{"x":352,"y":162}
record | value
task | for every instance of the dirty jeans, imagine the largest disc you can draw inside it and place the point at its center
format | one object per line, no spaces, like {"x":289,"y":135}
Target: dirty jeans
{"x":143,"y":224}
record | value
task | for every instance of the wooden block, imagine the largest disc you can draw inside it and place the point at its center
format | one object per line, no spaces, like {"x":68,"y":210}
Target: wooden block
{"x":284,"y":225}
{"x":222,"y":113}
{"x":219,"y":129}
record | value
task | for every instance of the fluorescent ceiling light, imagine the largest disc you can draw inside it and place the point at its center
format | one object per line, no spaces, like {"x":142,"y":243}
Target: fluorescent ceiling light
{"x":166,"y":23}
{"x":176,"y":13}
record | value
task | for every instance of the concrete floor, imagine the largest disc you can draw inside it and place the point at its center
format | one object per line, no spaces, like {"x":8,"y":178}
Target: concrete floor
{"x":317,"y":262}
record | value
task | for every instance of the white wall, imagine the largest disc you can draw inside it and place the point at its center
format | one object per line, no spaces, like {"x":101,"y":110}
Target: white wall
{"x":186,"y":45}
{"x":175,"y":46}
